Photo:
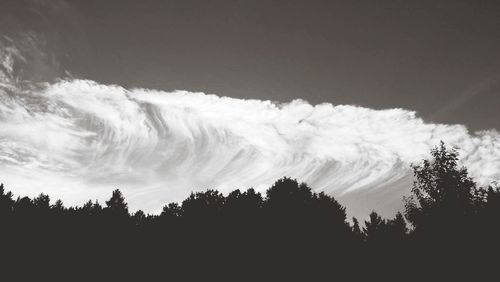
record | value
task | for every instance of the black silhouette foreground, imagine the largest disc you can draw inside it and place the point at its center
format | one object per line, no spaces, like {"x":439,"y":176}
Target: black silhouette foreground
{"x":450,"y":227}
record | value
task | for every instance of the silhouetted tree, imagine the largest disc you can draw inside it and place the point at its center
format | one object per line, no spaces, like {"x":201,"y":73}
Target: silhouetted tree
{"x":203,"y":205}
{"x":243,"y":206}
{"x":42,"y":202}
{"x":58,"y":206}
{"x":288,"y":196}
{"x":6,"y":202}
{"x":375,"y":229}
{"x":326,"y":208}
{"x":171,"y":211}
{"x":492,"y":204}
{"x":91,"y":208}
{"x":139,"y":217}
{"x":490,"y":216}
{"x":356,"y":229}
{"x":117,"y":204}
{"x":396,"y":227}
{"x":443,"y":195}
{"x":23,"y":206}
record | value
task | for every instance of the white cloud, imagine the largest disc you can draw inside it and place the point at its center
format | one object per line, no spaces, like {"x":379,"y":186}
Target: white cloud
{"x":78,"y":140}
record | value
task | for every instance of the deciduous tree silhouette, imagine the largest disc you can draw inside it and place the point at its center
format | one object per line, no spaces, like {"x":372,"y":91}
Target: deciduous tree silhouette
{"x":444,"y":197}
{"x":172,"y":210}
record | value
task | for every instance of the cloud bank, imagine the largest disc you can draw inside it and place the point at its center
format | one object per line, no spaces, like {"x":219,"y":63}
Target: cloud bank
{"x":78,"y":139}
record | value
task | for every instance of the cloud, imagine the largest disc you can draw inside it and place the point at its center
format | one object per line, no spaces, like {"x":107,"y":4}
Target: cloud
{"x":79,"y":139}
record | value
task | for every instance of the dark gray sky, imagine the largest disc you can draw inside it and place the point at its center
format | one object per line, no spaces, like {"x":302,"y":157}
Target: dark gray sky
{"x":440,"y":58}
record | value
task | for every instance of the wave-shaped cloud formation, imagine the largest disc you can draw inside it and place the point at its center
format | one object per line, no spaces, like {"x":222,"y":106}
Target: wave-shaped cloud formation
{"x":79,"y":139}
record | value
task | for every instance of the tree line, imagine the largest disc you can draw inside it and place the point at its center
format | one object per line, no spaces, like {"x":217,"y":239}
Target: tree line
{"x":448,"y":222}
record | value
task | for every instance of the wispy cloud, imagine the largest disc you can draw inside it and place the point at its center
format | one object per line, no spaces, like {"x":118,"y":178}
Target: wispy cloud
{"x":79,"y":139}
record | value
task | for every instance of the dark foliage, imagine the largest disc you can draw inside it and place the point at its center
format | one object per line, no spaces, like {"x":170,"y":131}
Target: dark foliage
{"x":291,"y":233}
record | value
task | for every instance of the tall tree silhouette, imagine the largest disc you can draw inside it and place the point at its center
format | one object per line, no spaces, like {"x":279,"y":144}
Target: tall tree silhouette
{"x":443,"y":195}
{"x":6,"y":202}
{"x":375,"y":229}
{"x":117,"y":204}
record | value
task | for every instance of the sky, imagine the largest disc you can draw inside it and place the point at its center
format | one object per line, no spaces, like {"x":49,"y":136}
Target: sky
{"x":439,"y":58}
{"x":342,"y":94}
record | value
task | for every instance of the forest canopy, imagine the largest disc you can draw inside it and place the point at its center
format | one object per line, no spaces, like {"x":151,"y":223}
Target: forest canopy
{"x":291,"y":225}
